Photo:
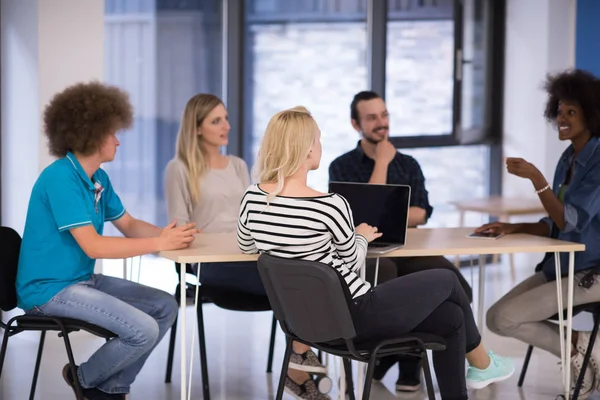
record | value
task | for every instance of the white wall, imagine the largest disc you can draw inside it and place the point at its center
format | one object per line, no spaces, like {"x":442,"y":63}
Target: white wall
{"x":20,"y":126}
{"x":540,"y":39}
{"x":46,"y":46}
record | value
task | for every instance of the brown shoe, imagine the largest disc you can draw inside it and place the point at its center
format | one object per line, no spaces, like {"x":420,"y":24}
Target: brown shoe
{"x":306,"y":391}
{"x":307,"y":362}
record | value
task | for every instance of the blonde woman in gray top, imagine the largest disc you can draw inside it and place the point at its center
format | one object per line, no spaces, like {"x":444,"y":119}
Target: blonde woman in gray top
{"x":204,"y":186}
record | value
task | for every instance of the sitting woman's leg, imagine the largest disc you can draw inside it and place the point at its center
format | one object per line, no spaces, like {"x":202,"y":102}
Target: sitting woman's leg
{"x":241,"y":277}
{"x":399,"y":306}
{"x":524,"y":311}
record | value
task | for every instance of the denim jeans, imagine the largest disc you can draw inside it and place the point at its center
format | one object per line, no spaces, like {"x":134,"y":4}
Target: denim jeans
{"x":139,"y":315}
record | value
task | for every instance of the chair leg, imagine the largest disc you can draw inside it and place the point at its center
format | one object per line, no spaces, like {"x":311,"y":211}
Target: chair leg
{"x":525,"y":365}
{"x":202,"y":348}
{"x":172,"y":338}
{"x":369,"y":376}
{"x":36,"y":369}
{"x":427,"y":373}
{"x":4,"y":346}
{"x":586,"y":358}
{"x":78,"y":388}
{"x":272,"y":345}
{"x":349,"y":380}
{"x":284,"y":368}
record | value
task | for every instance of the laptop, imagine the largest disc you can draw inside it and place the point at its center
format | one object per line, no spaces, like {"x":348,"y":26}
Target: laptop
{"x":383,"y":206}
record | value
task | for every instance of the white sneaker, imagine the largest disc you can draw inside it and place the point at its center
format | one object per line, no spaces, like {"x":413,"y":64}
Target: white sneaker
{"x":583,"y":339}
{"x":589,"y":379}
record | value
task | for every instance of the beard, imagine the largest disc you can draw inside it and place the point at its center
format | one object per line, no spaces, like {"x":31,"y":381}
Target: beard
{"x":373,"y":137}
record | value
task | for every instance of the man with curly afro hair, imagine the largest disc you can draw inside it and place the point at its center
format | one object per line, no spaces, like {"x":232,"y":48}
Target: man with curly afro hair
{"x":573,"y":207}
{"x":69,"y":204}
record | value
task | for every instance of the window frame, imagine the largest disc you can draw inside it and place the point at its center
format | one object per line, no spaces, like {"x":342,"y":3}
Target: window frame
{"x":238,"y":79}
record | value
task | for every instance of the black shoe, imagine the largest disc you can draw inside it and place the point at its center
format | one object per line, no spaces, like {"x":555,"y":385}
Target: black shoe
{"x":409,"y":374}
{"x":88,"y":394}
{"x":382,"y":366}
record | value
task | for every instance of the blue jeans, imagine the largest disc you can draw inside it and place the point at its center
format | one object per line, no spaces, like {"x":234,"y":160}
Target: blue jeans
{"x":139,"y":315}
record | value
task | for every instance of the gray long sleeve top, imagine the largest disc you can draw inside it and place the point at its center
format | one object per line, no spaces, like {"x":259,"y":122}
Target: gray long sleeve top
{"x":221,"y":192}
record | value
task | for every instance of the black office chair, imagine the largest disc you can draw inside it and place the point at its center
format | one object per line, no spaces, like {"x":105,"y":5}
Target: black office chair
{"x":223,"y":298}
{"x":593,"y":308}
{"x":312,"y":305}
{"x":10,"y":245}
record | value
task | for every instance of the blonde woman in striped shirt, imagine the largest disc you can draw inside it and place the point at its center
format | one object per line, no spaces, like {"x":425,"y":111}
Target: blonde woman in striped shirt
{"x":284,"y":217}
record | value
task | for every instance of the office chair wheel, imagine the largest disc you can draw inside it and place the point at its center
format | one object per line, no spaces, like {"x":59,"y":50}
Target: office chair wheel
{"x":324,"y":383}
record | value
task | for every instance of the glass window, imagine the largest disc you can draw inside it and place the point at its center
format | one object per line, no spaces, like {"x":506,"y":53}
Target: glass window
{"x":451,"y":174}
{"x":419,"y":87}
{"x":162,"y":52}
{"x":474,"y":70}
{"x":305,"y":53}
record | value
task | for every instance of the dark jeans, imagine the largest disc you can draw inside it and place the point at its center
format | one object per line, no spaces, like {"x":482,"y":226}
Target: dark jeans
{"x":239,"y":276}
{"x":409,"y":366}
{"x":431,"y":302}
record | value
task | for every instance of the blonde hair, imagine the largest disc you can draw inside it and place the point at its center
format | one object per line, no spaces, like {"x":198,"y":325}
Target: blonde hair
{"x":288,"y":139}
{"x":188,"y":148}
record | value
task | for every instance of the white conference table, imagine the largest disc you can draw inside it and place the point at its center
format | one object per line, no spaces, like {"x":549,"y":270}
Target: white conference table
{"x":420,"y":242}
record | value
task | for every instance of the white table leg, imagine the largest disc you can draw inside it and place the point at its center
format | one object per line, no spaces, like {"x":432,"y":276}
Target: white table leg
{"x":125,"y":268}
{"x":481,"y":293}
{"x":182,"y":329}
{"x":565,"y":346}
{"x":376,"y":271}
{"x":196,"y":305}
{"x":569,"y":320}
{"x":342,"y":395}
{"x":461,"y":223}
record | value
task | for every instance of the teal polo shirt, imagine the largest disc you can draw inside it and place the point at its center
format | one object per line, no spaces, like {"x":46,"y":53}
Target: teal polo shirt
{"x":62,"y":198}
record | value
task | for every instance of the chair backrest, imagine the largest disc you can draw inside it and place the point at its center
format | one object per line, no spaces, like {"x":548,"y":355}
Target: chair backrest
{"x":10,"y":246}
{"x":308,"y":297}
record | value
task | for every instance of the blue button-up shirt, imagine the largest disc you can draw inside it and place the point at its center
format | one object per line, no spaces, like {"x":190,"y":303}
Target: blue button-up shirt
{"x":582,"y":209}
{"x":356,"y":166}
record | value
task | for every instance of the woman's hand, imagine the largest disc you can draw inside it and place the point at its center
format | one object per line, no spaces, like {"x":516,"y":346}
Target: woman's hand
{"x":522,"y":168}
{"x":368,"y":231}
{"x":498,"y":227}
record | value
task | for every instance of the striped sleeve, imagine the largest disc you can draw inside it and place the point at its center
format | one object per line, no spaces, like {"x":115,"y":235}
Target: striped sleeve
{"x":245,"y":240}
{"x":352,"y":248}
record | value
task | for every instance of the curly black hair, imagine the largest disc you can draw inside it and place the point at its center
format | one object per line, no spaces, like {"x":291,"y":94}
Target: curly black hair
{"x":577,"y":86}
{"x":79,"y":118}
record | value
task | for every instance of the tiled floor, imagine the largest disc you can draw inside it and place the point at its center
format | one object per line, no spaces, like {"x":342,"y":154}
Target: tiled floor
{"x":237,"y":353}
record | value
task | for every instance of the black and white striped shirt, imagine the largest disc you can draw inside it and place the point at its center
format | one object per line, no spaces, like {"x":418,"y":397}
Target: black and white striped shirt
{"x":309,"y":228}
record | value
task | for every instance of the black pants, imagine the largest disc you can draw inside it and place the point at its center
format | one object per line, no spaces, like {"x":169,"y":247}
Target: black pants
{"x":430,"y":301}
{"x":240,"y":276}
{"x":409,"y":366}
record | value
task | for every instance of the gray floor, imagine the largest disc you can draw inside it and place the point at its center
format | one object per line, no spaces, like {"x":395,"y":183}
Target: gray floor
{"x":237,"y":352}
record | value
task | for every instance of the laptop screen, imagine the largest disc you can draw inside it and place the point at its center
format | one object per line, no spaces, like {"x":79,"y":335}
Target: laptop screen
{"x":383,"y":206}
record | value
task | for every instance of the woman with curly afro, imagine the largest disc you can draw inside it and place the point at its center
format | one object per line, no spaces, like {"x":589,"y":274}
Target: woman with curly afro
{"x":573,"y":207}
{"x":70,"y":202}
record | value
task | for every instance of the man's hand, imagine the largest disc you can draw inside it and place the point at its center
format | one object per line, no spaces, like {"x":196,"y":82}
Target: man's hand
{"x":174,"y":237}
{"x":385,"y":152}
{"x":498,"y":227}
